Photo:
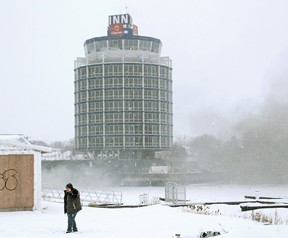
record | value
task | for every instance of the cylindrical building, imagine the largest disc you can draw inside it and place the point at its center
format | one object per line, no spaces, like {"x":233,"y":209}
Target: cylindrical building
{"x":123,"y":93}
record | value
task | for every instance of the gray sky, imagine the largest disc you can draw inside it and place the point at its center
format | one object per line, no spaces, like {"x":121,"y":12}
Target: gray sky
{"x":225,"y":54}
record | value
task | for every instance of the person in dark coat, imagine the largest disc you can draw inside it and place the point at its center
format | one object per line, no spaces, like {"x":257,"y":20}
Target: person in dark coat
{"x":72,"y":206}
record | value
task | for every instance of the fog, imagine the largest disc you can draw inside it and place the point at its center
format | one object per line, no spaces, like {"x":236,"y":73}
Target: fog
{"x":84,"y":174}
{"x":252,"y":147}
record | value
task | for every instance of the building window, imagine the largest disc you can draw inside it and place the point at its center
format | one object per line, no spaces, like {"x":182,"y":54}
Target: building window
{"x":151,"y":94}
{"x":118,"y":129}
{"x":109,"y":130}
{"x":170,"y":74}
{"x":145,"y":45}
{"x":118,"y":94}
{"x":170,"y":85}
{"x":101,"y":45}
{"x":151,"y":83}
{"x":133,"y":94}
{"x":82,"y":107}
{"x":109,"y":94}
{"x":118,"y":141}
{"x":96,"y":95}
{"x":82,"y":142}
{"x":130,"y":44}
{"x":109,"y":83}
{"x":82,"y":85}
{"x":83,"y":119}
{"x":170,"y":97}
{"x":164,"y":118}
{"x":118,"y":117}
{"x":128,"y":70}
{"x":76,"y":86}
{"x":109,"y":106}
{"x":138,"y":140}
{"x":148,"y":141}
{"x":163,"y":95}
{"x":82,"y":73}
{"x":96,"y":118}
{"x":95,"y":130}
{"x":95,"y":71}
{"x":163,"y":84}
{"x":95,"y":107}
{"x":164,"y":130}
{"x":115,"y":44}
{"x":83,"y":96}
{"x":113,"y":70}
{"x":151,"y":106}
{"x":134,"y":117}
{"x":83,"y":130}
{"x":164,"y":141}
{"x":113,"y":117}
{"x":164,"y":107}
{"x":95,"y":141}
{"x":129,"y":140}
{"x":118,"y":82}
{"x":114,"y":141}
{"x":113,"y":83}
{"x":155,"y":47}
{"x":151,"y":141}
{"x":151,"y":117}
{"x":151,"y":70}
{"x":163,"y":72}
{"x":151,"y":129}
{"x":134,"y":129}
{"x":133,"y":82}
{"x":133,"y":105}
{"x":113,"y":106}
{"x":137,"y":69}
{"x":95,"y":83}
{"x":114,"y":94}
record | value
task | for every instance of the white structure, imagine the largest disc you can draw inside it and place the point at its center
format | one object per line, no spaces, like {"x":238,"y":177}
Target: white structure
{"x":19,"y":145}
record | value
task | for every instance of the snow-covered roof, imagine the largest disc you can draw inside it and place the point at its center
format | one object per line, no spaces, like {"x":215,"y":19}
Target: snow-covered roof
{"x":20,"y":142}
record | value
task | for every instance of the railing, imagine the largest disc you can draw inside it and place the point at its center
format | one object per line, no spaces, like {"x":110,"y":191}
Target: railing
{"x":128,"y":57}
{"x":174,"y":193}
{"x":89,"y":196}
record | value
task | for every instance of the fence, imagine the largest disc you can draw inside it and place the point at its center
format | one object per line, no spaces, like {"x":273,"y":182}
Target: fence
{"x":87,"y":196}
{"x":175,"y":193}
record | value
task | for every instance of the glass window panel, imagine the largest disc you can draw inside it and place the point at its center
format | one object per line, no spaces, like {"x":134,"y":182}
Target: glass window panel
{"x":155,"y":47}
{"x":82,"y":73}
{"x":83,"y":107}
{"x":139,"y":140}
{"x":115,"y":44}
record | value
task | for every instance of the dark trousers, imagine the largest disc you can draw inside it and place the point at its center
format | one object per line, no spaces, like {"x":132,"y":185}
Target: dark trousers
{"x":72,"y":222}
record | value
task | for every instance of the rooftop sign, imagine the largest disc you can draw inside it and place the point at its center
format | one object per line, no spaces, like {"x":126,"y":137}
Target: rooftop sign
{"x":120,"y":19}
{"x":121,"y":25}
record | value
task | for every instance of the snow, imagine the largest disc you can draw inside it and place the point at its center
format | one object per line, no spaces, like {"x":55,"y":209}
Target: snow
{"x":157,"y":220}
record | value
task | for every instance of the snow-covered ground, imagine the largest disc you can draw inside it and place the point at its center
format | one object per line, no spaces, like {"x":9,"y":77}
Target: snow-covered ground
{"x":157,"y":220}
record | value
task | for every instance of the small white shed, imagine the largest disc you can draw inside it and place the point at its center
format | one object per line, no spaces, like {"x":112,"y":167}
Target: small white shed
{"x":20,"y":173}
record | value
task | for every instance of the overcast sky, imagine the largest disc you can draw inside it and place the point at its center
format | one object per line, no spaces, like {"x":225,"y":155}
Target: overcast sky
{"x":225,"y":54}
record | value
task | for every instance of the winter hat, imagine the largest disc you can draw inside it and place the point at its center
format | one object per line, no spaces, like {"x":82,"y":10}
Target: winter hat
{"x":69,"y":185}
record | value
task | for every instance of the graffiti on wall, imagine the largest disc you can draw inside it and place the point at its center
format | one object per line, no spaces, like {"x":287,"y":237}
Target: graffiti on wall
{"x":8,"y":180}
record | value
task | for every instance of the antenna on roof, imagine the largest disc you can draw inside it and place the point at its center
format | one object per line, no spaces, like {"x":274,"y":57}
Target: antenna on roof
{"x":126,"y":9}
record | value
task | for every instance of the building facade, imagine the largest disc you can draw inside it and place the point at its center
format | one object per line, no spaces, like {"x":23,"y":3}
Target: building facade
{"x":123,"y":93}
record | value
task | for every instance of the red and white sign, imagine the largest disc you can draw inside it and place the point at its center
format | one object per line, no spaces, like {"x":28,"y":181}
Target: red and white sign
{"x":135,"y":30}
{"x":116,"y":29}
